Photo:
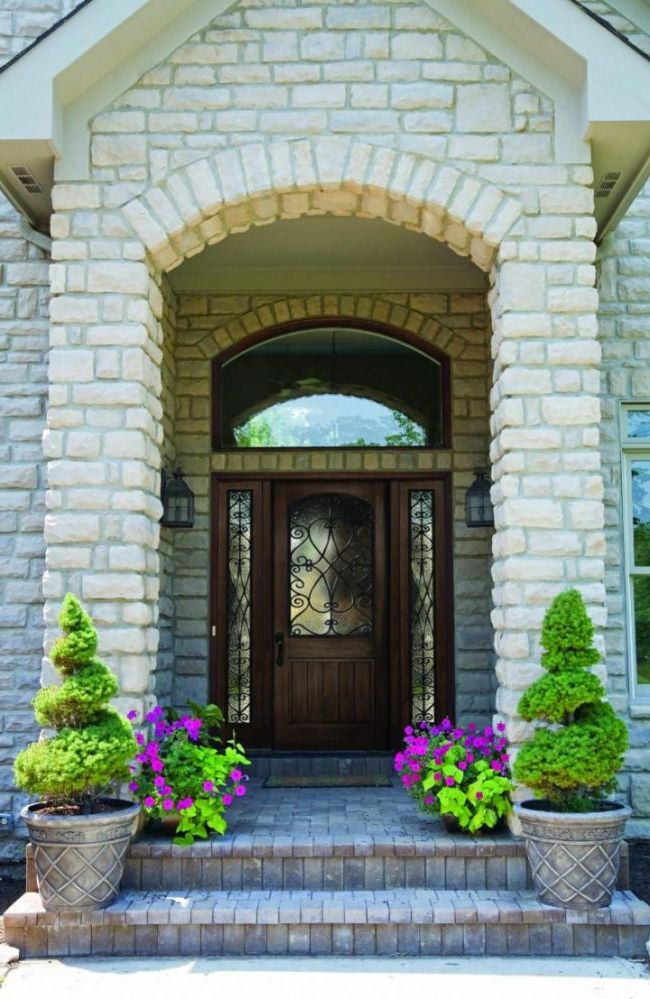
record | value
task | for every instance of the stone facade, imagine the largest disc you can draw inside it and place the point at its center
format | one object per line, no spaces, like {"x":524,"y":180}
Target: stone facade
{"x":375,"y":110}
{"x":415,"y":91}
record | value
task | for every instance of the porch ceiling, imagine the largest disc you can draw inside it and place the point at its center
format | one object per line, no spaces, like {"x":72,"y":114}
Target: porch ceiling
{"x":327,"y":254}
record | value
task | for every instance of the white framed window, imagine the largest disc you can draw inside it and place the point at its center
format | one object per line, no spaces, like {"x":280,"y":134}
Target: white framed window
{"x":635,"y":471}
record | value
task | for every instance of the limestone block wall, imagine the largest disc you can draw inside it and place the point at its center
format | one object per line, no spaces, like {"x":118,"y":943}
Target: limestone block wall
{"x":624,"y":321}
{"x":291,"y":69}
{"x":456,"y":323}
{"x":24,"y":292}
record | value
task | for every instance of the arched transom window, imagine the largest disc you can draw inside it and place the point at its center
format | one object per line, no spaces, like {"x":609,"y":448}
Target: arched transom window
{"x":331,"y":386}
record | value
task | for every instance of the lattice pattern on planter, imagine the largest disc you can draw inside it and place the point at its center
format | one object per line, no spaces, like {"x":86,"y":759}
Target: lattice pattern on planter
{"x":580,"y":875}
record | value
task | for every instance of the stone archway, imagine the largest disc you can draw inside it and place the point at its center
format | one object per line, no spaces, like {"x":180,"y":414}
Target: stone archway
{"x":257,"y":184}
{"x":105,"y":370}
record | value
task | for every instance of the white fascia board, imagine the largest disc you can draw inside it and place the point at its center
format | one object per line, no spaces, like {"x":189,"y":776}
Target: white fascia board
{"x":89,"y":54}
{"x":152,"y":48}
{"x":542,"y":58}
{"x":618,"y":78}
{"x":589,"y":73}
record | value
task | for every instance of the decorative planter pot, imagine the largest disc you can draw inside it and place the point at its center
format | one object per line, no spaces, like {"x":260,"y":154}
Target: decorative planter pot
{"x":79,"y":859}
{"x":573,"y":856}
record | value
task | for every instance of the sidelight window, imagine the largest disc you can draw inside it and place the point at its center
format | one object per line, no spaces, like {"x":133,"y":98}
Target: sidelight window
{"x":636,"y":494}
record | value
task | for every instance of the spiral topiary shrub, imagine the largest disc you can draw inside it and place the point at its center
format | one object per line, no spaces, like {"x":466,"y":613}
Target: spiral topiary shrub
{"x":572,"y":760}
{"x":93,"y":743}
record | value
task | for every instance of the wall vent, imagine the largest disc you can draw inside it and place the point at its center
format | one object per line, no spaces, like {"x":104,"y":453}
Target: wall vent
{"x":27,"y":179}
{"x":607,"y":184}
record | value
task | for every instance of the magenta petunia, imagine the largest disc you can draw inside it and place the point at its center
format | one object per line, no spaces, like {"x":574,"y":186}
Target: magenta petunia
{"x":133,"y":787}
{"x":227,"y":799}
{"x":240,"y":790}
{"x":208,"y":786}
{"x":479,"y":795}
{"x":236,"y":775}
{"x":132,"y":715}
{"x":449,"y":781}
{"x":168,"y":804}
{"x":149,"y":801}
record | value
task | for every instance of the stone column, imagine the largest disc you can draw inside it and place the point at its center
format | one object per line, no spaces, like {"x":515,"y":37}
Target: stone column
{"x":548,"y":488}
{"x":104,"y":434}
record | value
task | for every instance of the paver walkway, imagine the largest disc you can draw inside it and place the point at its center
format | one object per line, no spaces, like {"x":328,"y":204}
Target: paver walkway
{"x":282,"y":978}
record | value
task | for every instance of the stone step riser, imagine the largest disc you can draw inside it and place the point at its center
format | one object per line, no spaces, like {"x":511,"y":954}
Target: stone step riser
{"x":342,"y":923}
{"x":343,"y":940}
{"x":327,"y":873}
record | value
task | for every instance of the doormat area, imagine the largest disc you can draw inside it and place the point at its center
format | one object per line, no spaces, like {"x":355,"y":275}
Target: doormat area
{"x":330,"y":780}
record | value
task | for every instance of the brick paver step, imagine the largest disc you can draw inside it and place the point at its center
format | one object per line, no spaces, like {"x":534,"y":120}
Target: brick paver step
{"x":398,"y":921}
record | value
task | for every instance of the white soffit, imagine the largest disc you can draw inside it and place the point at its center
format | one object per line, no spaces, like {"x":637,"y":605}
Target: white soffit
{"x":77,"y":70}
{"x":328,"y":254}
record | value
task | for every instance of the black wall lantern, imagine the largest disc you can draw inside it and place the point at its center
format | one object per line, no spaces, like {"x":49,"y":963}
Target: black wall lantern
{"x":478,"y":505}
{"x":177,"y":500}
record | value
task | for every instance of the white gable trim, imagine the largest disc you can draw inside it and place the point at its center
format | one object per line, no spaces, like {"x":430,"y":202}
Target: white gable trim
{"x":597,"y":83}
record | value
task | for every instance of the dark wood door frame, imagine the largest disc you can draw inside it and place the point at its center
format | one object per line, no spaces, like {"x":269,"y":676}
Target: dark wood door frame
{"x":258,"y":734}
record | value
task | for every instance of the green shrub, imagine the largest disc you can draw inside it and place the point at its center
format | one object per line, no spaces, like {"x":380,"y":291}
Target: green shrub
{"x":572,"y":760}
{"x":93,"y":744}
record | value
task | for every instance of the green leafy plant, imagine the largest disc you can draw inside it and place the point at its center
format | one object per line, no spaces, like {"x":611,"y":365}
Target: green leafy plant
{"x":181,"y":771}
{"x":572,"y":759}
{"x":459,"y":772}
{"x":93,"y":743}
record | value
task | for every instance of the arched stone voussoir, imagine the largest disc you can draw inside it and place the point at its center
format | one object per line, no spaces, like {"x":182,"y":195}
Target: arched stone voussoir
{"x":339,"y":306}
{"x":234,"y":189}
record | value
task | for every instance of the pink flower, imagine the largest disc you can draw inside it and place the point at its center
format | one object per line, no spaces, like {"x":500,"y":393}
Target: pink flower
{"x":501,"y":727}
{"x":437,"y":776}
{"x":479,"y":795}
{"x":240,"y":790}
{"x":227,"y":799}
{"x":462,"y":765}
{"x":157,"y":766}
{"x":236,"y":775}
{"x":495,"y":765}
{"x":149,"y":801}
{"x":168,"y":804}
{"x":132,"y":715}
{"x":139,"y":738}
{"x":133,"y":787}
{"x":208,"y":786}
{"x":449,"y":781}
{"x":184,"y":803}
{"x":159,"y":782}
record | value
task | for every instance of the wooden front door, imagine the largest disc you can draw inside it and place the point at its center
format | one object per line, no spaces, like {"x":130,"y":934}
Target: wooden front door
{"x":330,"y":620}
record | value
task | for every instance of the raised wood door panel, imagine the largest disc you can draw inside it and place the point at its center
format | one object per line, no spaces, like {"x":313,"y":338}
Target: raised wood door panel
{"x":331,"y":689}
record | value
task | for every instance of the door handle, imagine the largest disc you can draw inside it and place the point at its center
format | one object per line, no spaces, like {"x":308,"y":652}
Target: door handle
{"x":279,"y":642}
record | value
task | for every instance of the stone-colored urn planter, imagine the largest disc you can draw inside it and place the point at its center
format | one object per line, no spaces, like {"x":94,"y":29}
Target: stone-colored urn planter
{"x":79,"y":859}
{"x":574,"y":856}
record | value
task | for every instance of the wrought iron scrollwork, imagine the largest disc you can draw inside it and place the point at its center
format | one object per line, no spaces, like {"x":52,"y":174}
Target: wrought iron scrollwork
{"x":422,"y":621}
{"x":330,"y":566}
{"x":238,"y":603}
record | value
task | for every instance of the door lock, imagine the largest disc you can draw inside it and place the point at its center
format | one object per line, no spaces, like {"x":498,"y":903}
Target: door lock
{"x":279,"y":642}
